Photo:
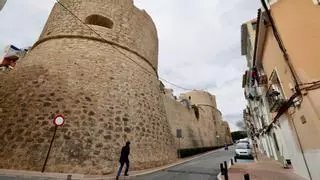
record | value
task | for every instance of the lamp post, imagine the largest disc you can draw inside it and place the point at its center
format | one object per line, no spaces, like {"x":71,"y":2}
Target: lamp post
{"x":218,"y":140}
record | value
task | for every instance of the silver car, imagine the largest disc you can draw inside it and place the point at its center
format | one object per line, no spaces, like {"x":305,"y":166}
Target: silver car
{"x":243,"y":150}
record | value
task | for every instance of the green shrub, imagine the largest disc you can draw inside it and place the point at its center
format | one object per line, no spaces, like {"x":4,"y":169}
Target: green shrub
{"x":193,"y":151}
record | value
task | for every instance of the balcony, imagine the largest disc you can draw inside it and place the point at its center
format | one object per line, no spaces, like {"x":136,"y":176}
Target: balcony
{"x":275,"y":101}
{"x":263,"y":80}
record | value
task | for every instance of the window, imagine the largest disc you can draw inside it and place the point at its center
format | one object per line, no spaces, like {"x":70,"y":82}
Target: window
{"x":242,"y":146}
{"x":275,"y":94}
{"x":271,"y":1}
{"x":99,"y":20}
{"x":275,"y":141}
{"x":254,"y":25}
{"x":317,"y":2}
{"x":249,"y":50}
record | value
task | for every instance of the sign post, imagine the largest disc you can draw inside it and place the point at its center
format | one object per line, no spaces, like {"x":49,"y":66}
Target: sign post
{"x":179,"y":136}
{"x":57,"y":121}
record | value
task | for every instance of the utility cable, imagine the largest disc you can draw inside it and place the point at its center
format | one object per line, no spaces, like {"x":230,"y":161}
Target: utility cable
{"x":98,"y":34}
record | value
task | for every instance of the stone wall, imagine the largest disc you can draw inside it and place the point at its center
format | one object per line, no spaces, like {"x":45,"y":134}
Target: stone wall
{"x":132,"y":29}
{"x":181,"y":117}
{"x":201,"y":131}
{"x":106,"y":86}
{"x":105,"y":96}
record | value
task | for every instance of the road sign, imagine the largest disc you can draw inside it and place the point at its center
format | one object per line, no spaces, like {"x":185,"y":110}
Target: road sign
{"x":179,"y":133}
{"x":58,"y":120}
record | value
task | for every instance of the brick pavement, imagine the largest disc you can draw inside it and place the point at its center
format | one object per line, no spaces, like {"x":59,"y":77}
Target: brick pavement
{"x":264,"y":169}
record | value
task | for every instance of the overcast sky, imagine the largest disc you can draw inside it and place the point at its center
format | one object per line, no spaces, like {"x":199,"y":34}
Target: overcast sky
{"x":199,"y":42}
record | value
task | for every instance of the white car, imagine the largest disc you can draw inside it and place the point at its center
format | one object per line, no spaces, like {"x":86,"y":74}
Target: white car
{"x":243,"y":150}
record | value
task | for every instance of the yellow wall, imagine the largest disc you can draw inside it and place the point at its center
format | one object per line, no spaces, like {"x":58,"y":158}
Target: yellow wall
{"x":298,"y":24}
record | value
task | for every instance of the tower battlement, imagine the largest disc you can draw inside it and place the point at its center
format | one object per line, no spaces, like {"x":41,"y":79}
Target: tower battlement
{"x":105,"y":97}
{"x":118,"y":22}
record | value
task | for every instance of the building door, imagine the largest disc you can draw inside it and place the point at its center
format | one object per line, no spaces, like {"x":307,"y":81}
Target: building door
{"x":278,"y":153}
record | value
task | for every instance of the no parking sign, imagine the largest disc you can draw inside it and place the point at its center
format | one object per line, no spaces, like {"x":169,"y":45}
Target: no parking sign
{"x":58,"y":120}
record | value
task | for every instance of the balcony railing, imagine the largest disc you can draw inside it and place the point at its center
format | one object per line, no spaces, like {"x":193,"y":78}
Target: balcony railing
{"x":275,"y":102}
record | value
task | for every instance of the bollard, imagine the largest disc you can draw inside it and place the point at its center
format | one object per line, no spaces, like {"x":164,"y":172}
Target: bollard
{"x":231,"y":160}
{"x":246,"y":177}
{"x":226,"y":177}
{"x":235,"y":159}
{"x":221,"y":168}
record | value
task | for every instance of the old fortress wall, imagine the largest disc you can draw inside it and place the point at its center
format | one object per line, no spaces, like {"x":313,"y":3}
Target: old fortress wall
{"x":105,"y":96}
{"x":207,"y":129}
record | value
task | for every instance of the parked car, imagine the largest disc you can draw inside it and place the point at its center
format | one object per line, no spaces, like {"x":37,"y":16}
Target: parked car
{"x":243,"y":150}
{"x":244,"y":141}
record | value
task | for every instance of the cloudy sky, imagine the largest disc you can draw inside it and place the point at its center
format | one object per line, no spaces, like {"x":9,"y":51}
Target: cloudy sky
{"x":199,"y":42}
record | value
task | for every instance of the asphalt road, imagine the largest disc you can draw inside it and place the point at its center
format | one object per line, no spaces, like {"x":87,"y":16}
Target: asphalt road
{"x":206,"y":167}
{"x":203,"y":168}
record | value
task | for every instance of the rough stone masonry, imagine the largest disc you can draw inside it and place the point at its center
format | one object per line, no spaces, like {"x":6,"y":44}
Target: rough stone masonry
{"x":106,"y":86}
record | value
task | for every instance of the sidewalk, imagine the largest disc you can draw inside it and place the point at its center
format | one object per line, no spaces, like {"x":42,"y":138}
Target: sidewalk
{"x":263,"y":169}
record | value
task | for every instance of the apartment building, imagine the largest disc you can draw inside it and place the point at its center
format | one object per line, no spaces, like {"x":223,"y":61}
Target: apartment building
{"x":286,"y":56}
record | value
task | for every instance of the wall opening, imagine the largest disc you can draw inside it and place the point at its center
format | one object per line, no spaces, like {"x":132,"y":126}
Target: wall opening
{"x":99,"y":20}
{"x":196,"y":111}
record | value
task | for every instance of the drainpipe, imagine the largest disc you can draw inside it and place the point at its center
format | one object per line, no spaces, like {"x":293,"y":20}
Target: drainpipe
{"x":282,"y":47}
{"x":294,"y":74}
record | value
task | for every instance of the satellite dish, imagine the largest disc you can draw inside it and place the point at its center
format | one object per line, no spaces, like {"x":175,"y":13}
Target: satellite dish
{"x":2,"y":3}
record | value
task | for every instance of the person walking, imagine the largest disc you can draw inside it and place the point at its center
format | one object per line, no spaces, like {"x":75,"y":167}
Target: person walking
{"x":226,"y":147}
{"x":124,"y":159}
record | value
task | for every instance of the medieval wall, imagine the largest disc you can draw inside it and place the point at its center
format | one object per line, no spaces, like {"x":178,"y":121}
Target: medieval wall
{"x":105,"y":97}
{"x":181,"y":117}
{"x":206,"y":130}
{"x":107,"y":88}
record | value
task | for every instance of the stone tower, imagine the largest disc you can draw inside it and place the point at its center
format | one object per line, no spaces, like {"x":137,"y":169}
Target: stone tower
{"x":209,"y":114}
{"x":106,"y":86}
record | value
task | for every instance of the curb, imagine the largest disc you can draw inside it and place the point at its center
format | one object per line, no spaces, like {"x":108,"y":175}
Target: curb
{"x":14,"y":173}
{"x":220,"y":177}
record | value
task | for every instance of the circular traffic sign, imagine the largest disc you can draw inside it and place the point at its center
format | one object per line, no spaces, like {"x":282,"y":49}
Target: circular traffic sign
{"x":58,"y":120}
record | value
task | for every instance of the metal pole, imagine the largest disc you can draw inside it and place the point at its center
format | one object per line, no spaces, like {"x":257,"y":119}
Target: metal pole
{"x":255,"y":151}
{"x":231,"y":161}
{"x":221,"y":169}
{"x":179,"y":156}
{"x":45,"y":162}
{"x":226,"y":177}
{"x":235,"y":159}
{"x":246,"y":177}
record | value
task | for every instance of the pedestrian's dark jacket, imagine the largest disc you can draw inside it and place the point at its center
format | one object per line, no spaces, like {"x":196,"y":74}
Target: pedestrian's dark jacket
{"x":125,"y":154}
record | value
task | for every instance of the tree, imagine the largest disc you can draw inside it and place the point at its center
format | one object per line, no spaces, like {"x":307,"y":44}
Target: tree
{"x":238,"y":135}
{"x":241,"y":125}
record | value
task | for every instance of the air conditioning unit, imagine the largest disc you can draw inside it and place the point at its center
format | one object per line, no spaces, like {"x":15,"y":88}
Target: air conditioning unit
{"x":275,"y":100}
{"x":276,"y":104}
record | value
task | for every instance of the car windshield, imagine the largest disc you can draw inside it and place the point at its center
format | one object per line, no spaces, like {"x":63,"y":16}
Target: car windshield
{"x":242,"y":146}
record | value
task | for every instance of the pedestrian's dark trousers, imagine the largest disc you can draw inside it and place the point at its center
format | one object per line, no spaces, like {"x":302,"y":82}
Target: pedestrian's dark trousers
{"x":121,"y":166}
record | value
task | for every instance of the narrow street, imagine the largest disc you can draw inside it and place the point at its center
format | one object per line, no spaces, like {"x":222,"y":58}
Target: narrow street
{"x":206,"y":167}
{"x":203,"y":168}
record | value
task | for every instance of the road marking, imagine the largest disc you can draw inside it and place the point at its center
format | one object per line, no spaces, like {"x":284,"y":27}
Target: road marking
{"x":190,"y":172}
